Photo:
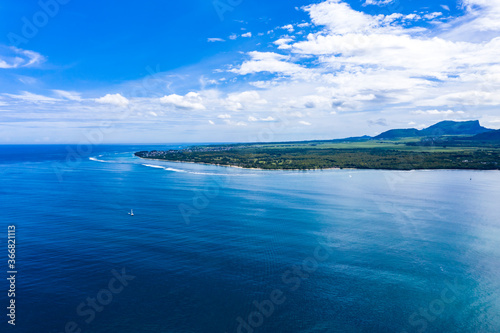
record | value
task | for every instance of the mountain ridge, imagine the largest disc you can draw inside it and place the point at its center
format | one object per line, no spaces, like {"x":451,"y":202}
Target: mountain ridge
{"x":445,"y":127}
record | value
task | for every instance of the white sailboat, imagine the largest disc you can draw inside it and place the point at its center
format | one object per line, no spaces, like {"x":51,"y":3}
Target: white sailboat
{"x":131,"y":212}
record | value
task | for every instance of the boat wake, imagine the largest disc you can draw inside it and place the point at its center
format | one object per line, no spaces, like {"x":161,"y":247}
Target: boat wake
{"x":164,"y":168}
{"x":95,"y":159}
{"x":170,"y":169}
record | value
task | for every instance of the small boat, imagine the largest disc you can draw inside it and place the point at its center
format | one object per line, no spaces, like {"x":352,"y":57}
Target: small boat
{"x":131,"y":212}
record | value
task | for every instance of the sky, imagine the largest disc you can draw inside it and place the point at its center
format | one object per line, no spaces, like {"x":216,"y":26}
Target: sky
{"x":75,"y":71}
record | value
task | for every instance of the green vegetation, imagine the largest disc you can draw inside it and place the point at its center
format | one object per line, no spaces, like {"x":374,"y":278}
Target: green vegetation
{"x":362,"y":158}
{"x":478,"y":148}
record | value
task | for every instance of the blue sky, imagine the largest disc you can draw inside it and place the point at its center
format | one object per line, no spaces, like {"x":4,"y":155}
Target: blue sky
{"x":231,"y":70}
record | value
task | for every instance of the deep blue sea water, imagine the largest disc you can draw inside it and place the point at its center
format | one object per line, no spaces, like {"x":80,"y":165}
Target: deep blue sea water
{"x":216,"y":249}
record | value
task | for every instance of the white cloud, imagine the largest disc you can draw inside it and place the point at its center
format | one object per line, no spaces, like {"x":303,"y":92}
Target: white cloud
{"x":305,"y":123}
{"x":33,"y":98}
{"x":13,"y":57}
{"x":362,"y":62}
{"x":288,"y":27}
{"x":113,"y":99}
{"x":224,"y":116}
{"x":340,"y":18}
{"x":431,"y":16}
{"x":481,"y":22}
{"x":191,"y":101}
{"x":243,"y":100}
{"x":411,"y":17}
{"x":267,"y":119}
{"x":469,"y":98}
{"x":437,"y":112}
{"x":233,"y":36}
{"x":378,"y":2}
{"x":247,"y":34}
{"x":211,"y":122}
{"x":373,"y":58}
{"x":283,"y":43}
{"x":70,"y":95}
{"x":211,"y":40}
{"x":267,"y":62}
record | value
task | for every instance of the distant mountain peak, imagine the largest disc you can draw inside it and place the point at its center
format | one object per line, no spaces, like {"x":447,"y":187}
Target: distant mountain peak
{"x":445,"y":127}
{"x":449,"y":127}
{"x":398,"y":133}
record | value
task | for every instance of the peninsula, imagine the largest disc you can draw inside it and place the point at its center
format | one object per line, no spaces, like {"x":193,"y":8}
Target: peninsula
{"x":445,"y":145}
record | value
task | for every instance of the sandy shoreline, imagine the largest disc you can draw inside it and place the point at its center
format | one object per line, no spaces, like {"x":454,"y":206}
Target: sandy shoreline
{"x":239,"y":167}
{"x":319,"y":169}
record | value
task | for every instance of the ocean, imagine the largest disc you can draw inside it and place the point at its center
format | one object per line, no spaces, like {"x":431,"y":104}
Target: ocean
{"x":219,"y":249}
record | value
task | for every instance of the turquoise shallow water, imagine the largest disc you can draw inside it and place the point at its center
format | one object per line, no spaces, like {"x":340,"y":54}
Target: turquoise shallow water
{"x":215,"y":249}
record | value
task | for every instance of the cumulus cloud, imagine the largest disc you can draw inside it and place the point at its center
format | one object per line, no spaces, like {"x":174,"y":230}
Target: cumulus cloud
{"x":245,"y":99}
{"x":340,"y":18}
{"x":267,"y":62}
{"x":113,"y":99}
{"x":191,"y":101}
{"x":288,"y":27}
{"x":362,"y":60}
{"x":283,"y":43}
{"x":247,"y":34}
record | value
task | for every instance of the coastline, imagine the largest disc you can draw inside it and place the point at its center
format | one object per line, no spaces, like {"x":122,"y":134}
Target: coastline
{"x":317,"y":169}
{"x":239,"y":167}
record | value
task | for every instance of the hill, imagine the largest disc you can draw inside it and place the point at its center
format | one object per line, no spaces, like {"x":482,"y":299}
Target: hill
{"x":446,"y":127}
{"x":493,"y":135}
{"x":449,"y":127}
{"x":399,"y":133}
